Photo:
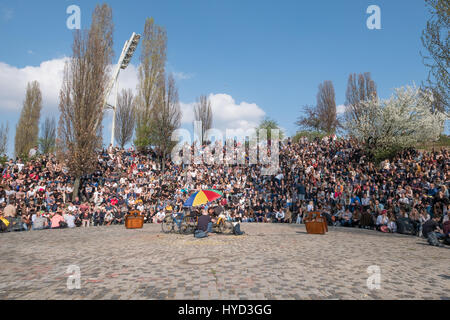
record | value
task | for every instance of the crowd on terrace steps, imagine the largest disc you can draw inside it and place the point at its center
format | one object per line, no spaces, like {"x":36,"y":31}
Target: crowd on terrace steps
{"x":407,"y":194}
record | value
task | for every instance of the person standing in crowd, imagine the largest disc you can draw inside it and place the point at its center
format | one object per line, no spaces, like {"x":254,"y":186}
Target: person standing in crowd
{"x":85,"y":216}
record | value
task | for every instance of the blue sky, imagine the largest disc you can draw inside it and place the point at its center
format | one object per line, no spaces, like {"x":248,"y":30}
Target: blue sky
{"x":271,"y":55}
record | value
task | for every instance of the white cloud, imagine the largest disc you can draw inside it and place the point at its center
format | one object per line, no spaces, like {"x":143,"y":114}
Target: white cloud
{"x":13,"y":81}
{"x":128,"y":79}
{"x":227,"y":113}
{"x":340,"y":109}
{"x":182,"y":76}
{"x":49,"y":74}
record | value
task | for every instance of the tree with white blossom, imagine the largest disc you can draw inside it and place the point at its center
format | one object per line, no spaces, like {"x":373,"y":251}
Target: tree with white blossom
{"x":402,"y":121}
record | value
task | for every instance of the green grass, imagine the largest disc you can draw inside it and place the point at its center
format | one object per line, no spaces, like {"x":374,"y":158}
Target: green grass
{"x":311,"y":135}
{"x":443,"y":142}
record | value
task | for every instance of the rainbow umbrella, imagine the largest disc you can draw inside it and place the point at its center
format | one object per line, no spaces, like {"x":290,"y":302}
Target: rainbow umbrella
{"x":202,"y":197}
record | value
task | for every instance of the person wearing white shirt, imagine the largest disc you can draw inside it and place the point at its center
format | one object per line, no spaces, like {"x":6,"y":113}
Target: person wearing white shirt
{"x":32,"y":152}
{"x":69,"y":218}
{"x":20,"y":166}
{"x":279,"y":215}
{"x":382,"y":219}
{"x":96,"y":195}
{"x":9,"y":193}
{"x":159,"y":217}
{"x":72,"y":208}
{"x":365,"y":201}
{"x":109,"y":218}
{"x":392,"y":225}
{"x":31,"y":193}
{"x":99,"y":199}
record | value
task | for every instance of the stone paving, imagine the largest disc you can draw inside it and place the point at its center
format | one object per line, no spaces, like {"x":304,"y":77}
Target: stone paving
{"x":271,"y":261}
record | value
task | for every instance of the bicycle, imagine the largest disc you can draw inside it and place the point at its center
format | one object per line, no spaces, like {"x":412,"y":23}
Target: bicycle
{"x":172,"y":222}
{"x":168,"y":224}
{"x":188,"y":224}
{"x":223,"y":226}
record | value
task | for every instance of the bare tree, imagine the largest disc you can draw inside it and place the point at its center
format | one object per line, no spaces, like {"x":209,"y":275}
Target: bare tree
{"x":47,"y":140}
{"x":4,"y":132}
{"x":435,"y":38}
{"x":27,"y":129}
{"x":326,"y":107}
{"x":203,"y":113}
{"x":153,"y":60}
{"x":310,"y":120}
{"x":360,"y":88}
{"x":323,"y":116}
{"x":82,"y":95}
{"x":125,"y":118}
{"x":165,"y":117}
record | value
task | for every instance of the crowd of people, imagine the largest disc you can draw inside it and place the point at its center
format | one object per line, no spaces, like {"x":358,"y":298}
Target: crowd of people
{"x":408,"y":194}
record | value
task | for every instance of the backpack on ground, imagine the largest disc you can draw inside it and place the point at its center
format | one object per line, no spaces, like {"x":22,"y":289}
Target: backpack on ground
{"x":405,"y":226}
{"x":4,"y":224}
{"x":433,"y":240}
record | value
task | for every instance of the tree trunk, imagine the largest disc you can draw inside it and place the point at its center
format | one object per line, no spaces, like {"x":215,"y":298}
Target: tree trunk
{"x":163,"y":162}
{"x":76,"y":187}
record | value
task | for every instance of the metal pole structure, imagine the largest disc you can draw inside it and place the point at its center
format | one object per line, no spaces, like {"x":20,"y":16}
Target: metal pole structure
{"x":113,"y":129}
{"x":127,"y":53}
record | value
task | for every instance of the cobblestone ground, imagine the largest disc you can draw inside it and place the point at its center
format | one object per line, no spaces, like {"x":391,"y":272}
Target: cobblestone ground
{"x":268,"y":262}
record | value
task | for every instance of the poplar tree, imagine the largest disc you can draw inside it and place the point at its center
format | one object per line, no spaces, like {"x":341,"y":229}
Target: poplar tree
{"x":27,"y":129}
{"x":82,"y":95}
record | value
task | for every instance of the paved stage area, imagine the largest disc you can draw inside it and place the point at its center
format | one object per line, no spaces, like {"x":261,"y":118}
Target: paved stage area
{"x":271,"y":261}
